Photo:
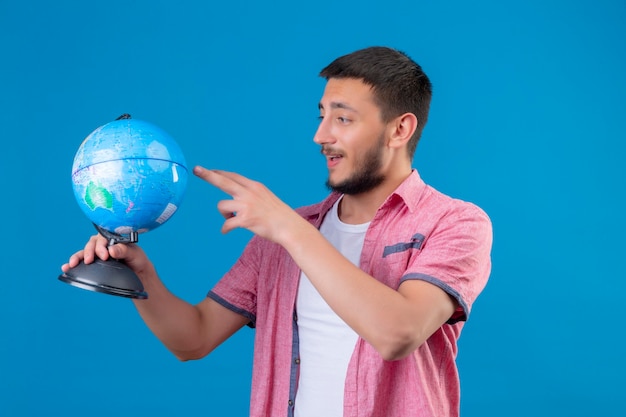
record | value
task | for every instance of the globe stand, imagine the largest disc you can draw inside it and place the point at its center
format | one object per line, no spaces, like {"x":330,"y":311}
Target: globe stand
{"x":111,"y":276}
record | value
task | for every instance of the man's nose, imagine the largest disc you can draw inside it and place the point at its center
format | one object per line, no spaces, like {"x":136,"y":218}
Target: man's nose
{"x":323,"y":135}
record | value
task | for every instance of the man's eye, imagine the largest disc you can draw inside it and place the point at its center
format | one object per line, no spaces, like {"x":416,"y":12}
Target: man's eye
{"x":343,"y":119}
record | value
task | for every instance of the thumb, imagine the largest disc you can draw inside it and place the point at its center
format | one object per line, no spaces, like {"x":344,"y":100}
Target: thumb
{"x":131,"y":255}
{"x":118,"y":251}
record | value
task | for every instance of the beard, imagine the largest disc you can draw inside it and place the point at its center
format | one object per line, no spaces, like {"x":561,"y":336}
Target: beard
{"x":366,"y":175}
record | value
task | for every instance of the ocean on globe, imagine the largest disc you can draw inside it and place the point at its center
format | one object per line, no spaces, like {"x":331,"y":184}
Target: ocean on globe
{"x":129,"y":176}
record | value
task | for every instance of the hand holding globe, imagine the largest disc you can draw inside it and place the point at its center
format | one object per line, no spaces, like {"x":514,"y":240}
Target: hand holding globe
{"x":129,"y":177}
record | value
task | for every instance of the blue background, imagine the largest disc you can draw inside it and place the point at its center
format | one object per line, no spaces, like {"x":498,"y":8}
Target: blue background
{"x":526,"y":121}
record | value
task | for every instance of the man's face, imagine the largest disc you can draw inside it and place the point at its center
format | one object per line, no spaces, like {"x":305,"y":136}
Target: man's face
{"x":352,"y":136}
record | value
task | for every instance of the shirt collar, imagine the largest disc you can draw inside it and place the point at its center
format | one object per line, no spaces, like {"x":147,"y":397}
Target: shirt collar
{"x":410,"y":191}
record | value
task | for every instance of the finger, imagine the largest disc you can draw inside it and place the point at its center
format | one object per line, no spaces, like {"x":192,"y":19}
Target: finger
{"x":229,"y":182}
{"x":238,"y":178}
{"x":230,"y":224}
{"x":96,"y":246}
{"x":228,"y":208}
{"x":201,"y":171}
{"x":89,"y":250}
{"x":87,"y":254}
{"x":73,"y":261}
{"x":102,"y":247}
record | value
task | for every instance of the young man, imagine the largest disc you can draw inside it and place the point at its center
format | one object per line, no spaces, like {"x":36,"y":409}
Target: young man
{"x":357,"y":301}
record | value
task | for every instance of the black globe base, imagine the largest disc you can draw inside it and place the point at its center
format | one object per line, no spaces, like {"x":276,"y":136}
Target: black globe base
{"x":110,"y":277}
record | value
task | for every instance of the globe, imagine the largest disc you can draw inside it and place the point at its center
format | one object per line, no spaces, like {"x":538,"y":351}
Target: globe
{"x":129,"y":176}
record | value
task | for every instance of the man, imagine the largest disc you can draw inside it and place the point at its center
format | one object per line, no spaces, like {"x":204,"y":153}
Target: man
{"x":357,"y":301}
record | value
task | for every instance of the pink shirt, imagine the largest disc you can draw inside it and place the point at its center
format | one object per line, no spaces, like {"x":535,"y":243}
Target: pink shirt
{"x":417,"y":233}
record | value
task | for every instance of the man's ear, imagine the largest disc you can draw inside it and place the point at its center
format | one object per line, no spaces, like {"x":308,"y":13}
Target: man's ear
{"x":402,"y":129}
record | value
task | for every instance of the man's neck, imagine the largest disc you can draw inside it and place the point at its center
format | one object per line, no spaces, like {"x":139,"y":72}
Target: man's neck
{"x":361,"y":208}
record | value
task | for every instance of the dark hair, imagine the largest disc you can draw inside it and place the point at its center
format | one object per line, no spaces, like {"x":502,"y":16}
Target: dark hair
{"x":399,"y":84}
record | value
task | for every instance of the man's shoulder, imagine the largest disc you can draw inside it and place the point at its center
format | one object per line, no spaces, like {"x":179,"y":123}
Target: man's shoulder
{"x":435,"y":200}
{"x":423,"y":199}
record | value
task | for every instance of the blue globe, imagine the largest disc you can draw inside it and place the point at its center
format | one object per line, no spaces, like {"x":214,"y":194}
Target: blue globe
{"x":129,"y":176}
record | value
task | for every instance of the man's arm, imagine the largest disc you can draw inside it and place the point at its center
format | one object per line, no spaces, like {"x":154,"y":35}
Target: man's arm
{"x":394,"y":322}
{"x":188,"y":331}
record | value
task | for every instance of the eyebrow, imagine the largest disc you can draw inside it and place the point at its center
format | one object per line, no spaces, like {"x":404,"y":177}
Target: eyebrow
{"x":337,"y":105}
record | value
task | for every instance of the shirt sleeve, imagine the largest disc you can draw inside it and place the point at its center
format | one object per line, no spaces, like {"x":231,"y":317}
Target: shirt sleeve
{"x":237,"y":289}
{"x":456,"y":257}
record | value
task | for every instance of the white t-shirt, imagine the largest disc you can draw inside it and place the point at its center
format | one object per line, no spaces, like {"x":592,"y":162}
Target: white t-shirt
{"x":326,"y":341}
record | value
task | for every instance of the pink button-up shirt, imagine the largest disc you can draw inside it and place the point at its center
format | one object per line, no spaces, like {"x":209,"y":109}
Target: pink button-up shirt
{"x":417,"y":233}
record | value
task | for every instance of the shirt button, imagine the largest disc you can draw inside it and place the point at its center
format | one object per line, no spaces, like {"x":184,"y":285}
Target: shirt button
{"x":290,"y":403}
{"x":297,"y":361}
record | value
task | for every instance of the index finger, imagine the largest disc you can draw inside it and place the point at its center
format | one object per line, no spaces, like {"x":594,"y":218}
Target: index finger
{"x":228,"y":182}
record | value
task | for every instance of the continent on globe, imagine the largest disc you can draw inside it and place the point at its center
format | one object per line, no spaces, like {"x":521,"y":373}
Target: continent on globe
{"x":96,"y":196}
